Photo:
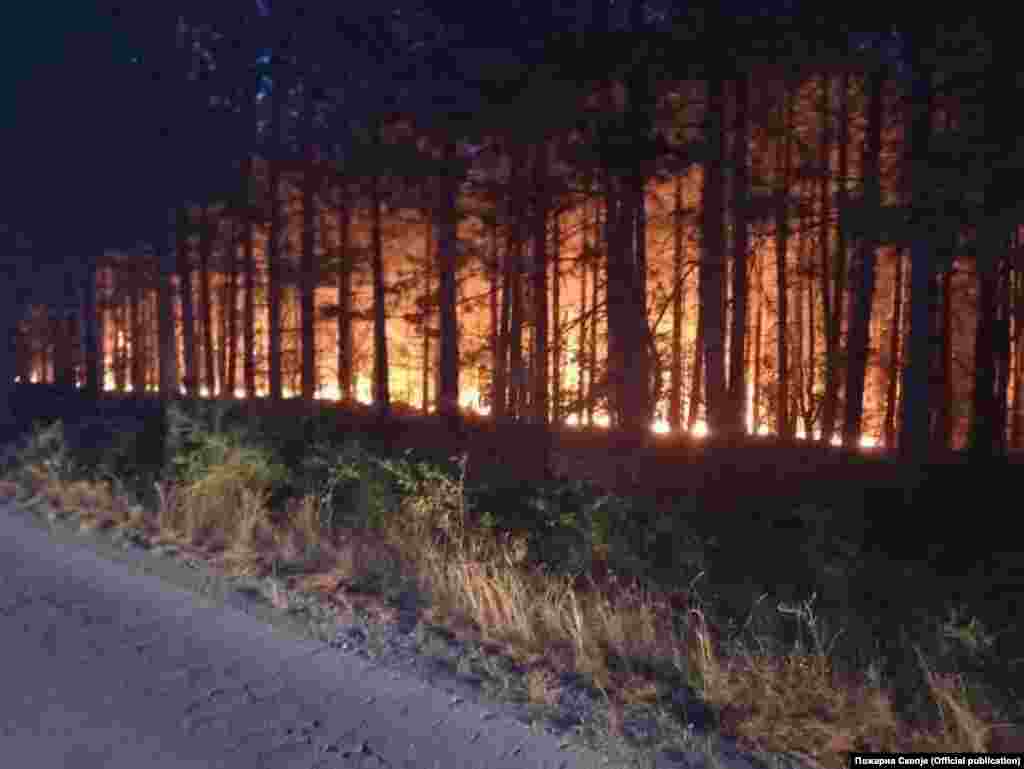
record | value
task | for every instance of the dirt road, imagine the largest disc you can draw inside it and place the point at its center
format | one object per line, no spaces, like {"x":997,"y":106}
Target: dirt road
{"x":111,"y":660}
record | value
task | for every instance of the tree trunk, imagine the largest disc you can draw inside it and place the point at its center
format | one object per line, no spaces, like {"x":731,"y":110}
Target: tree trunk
{"x":138,"y":338}
{"x":205,"y":308}
{"x":696,"y":385}
{"x":1017,"y":423}
{"x":824,"y":245}
{"x":517,"y":376}
{"x":862,"y":296}
{"x":249,"y":308}
{"x":984,"y":438}
{"x":120,"y":334}
{"x":494,"y":279}
{"x":501,"y":371}
{"x":834,"y":366}
{"x":1002,"y":355}
{"x":231,"y":312}
{"x":755,"y":421}
{"x":712,"y":268}
{"x":895,"y":348}
{"x":344,"y":299}
{"x":914,"y":432}
{"x":736,"y":418}
{"x":798,"y":332}
{"x":581,"y":355}
{"x":539,"y":280}
{"x":381,"y":369}
{"x":274,"y":289}
{"x":63,"y":369}
{"x":188,"y":317}
{"x":784,"y":426}
{"x":944,"y":416}
{"x":595,"y":269}
{"x":556,"y":321}
{"x":309,"y":276}
{"x":90,"y":323}
{"x":428,"y":303}
{"x":447,"y":253}
{"x":810,"y":372}
{"x":675,"y":397}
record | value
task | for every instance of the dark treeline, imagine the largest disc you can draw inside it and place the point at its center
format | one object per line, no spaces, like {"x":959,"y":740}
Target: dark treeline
{"x":650,"y":211}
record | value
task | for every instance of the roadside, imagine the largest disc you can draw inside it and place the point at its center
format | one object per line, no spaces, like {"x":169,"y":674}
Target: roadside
{"x":528,"y":598}
{"x":87,"y":598}
{"x":116,"y":657}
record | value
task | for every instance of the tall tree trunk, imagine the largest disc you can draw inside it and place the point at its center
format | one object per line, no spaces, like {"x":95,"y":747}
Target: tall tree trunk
{"x":696,"y":384}
{"x":64,"y":359}
{"x":595,"y":269}
{"x":784,"y":426}
{"x":539,"y":280}
{"x":798,"y":332}
{"x":629,"y":356}
{"x":1017,"y":423}
{"x":811,"y":370}
{"x":447,"y":253}
{"x":834,"y":366}
{"x":428,"y":302}
{"x":986,"y":438}
{"x":249,"y":308}
{"x":120,"y":334}
{"x":138,"y":339}
{"x":309,"y":277}
{"x":502,"y":392}
{"x":90,"y":322}
{"x":188,"y":317}
{"x":494,"y":279}
{"x":895,"y":350}
{"x":944,"y":407}
{"x":581,"y":357}
{"x":824,"y":246}
{"x":862,"y":296}
{"x":736,"y":418}
{"x":223,"y":338}
{"x":381,"y":369}
{"x":206,"y":237}
{"x":231,"y":310}
{"x":994,"y":238}
{"x":755,"y":421}
{"x":914,"y":432}
{"x":556,"y":320}
{"x":675,"y":398}
{"x":1002,"y":350}
{"x":514,"y":276}
{"x":713,"y":268}
{"x":274,"y":249}
{"x":344,"y":299}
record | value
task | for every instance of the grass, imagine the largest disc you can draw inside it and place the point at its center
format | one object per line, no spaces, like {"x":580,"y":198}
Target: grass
{"x":558,"y":580}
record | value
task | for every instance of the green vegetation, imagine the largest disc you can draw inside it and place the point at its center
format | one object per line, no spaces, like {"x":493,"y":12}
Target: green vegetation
{"x":779,"y":632}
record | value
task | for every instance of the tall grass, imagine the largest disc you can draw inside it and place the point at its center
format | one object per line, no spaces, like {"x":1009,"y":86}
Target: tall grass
{"x":565,"y":578}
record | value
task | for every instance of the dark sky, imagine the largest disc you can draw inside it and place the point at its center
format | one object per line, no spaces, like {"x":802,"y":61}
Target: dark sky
{"x":71,"y":160}
{"x":84,"y":166}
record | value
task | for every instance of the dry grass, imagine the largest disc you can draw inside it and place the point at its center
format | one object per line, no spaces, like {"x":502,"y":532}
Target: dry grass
{"x":793,"y":703}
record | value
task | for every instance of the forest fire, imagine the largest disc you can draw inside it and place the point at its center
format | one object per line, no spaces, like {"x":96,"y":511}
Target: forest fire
{"x":539,"y":343}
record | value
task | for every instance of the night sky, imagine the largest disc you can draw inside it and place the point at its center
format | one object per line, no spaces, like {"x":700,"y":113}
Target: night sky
{"x":74,"y":167}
